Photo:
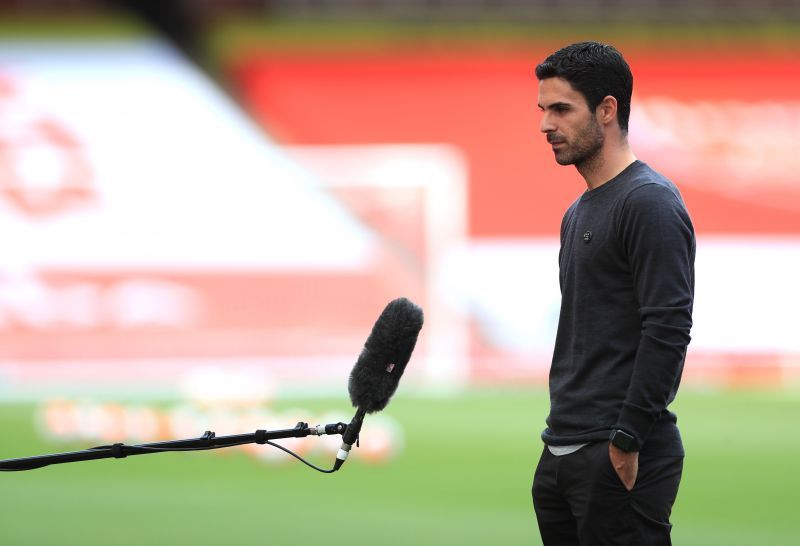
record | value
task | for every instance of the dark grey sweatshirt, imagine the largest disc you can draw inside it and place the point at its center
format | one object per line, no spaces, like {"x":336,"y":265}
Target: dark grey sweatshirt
{"x":627,"y":286}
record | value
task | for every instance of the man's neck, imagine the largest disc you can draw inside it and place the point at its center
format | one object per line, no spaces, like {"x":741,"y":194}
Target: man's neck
{"x":608,"y":163}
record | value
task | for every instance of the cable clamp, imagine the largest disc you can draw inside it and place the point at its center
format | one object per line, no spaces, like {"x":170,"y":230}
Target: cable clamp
{"x":261,"y":436}
{"x":207,"y":436}
{"x":118,"y":452}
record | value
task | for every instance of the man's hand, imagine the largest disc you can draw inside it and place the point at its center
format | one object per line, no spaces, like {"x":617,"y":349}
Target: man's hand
{"x":625,"y":464}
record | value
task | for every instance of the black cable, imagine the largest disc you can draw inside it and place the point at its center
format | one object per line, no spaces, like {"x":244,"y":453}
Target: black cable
{"x":299,"y":458}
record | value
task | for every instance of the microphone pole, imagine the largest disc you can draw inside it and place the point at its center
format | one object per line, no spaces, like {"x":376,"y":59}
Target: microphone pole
{"x":209,"y":440}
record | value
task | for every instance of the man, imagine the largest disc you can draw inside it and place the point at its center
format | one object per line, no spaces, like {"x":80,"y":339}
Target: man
{"x":613,"y":458}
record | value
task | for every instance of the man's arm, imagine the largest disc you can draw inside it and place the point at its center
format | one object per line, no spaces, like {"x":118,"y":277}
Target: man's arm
{"x":658,"y":237}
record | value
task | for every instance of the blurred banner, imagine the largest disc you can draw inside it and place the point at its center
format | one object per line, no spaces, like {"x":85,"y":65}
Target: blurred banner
{"x":155,"y":239}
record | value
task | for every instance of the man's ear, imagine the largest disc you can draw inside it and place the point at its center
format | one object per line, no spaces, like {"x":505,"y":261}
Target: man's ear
{"x":607,"y":110}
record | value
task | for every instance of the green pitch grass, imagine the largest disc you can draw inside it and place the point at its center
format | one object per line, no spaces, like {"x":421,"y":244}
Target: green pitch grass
{"x":463,"y":479}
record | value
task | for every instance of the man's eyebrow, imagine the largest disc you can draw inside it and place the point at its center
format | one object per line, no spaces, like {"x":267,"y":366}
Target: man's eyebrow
{"x":556,"y":105}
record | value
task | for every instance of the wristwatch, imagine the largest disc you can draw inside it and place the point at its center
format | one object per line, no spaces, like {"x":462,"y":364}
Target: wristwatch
{"x":623,"y":440}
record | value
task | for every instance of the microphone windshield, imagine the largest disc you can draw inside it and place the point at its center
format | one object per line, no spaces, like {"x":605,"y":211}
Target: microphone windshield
{"x":377,"y":371}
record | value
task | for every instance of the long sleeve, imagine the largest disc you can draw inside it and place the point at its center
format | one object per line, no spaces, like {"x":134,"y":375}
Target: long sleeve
{"x":658,"y":238}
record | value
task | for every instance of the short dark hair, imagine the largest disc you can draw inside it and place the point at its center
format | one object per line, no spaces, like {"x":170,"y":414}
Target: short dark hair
{"x":596,"y":71}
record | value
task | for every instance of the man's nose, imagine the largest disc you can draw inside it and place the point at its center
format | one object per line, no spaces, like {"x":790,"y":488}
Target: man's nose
{"x":546,"y":124}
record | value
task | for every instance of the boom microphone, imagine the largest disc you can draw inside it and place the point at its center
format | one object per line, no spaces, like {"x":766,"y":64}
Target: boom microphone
{"x":380,"y":365}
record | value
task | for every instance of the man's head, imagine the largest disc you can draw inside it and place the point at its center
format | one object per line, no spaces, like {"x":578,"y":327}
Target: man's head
{"x":584,"y":91}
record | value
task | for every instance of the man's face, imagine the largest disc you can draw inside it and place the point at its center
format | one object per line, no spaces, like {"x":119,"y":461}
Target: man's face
{"x":571,"y":128}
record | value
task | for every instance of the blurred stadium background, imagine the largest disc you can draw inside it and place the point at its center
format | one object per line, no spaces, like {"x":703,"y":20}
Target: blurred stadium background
{"x":205,"y":205}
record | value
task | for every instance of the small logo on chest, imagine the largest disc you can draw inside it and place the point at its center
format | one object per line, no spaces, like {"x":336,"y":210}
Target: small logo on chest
{"x":587,"y":236}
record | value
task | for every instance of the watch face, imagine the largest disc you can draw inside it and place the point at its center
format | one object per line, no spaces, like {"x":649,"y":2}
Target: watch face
{"x":622,"y":440}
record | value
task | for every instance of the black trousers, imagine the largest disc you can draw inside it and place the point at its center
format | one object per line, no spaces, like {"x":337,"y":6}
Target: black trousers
{"x":580,"y":500}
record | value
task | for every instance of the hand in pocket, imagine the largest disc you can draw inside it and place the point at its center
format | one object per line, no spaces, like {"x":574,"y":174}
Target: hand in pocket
{"x":626,"y":465}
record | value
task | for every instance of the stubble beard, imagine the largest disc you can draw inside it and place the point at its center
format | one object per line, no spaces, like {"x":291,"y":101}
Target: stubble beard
{"x":585,"y":149}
